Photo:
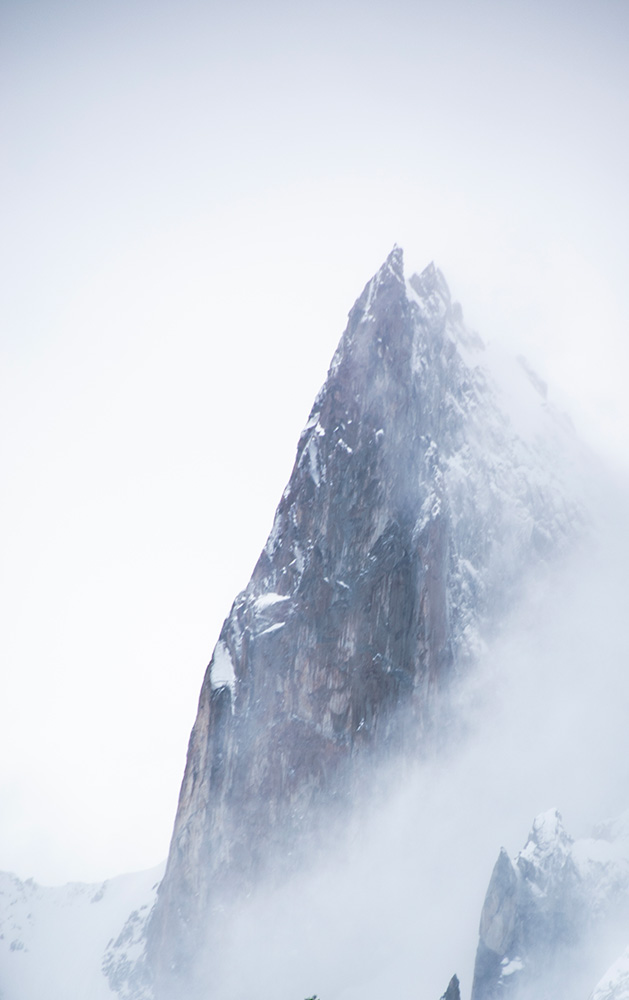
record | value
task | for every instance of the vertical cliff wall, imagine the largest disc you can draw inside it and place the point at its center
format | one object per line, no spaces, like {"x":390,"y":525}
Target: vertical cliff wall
{"x":413,"y":507}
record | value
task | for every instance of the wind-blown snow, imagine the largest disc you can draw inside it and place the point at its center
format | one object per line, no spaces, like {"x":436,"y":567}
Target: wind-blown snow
{"x":268,"y":600}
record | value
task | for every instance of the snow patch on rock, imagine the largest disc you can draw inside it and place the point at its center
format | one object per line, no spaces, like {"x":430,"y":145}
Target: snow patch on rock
{"x":222,"y":670}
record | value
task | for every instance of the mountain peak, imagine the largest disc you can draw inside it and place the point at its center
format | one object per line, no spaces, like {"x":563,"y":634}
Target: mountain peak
{"x":395,"y":261}
{"x":390,"y":275}
{"x":385,"y":559}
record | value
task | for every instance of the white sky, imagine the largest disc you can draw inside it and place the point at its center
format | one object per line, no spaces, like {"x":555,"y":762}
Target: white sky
{"x":193,"y":195}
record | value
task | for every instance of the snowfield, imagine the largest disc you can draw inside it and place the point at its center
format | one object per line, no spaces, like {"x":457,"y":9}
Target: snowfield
{"x":53,"y":940}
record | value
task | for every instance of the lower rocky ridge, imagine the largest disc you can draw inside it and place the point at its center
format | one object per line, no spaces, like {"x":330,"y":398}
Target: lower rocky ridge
{"x":552,"y":919}
{"x":554,"y":916}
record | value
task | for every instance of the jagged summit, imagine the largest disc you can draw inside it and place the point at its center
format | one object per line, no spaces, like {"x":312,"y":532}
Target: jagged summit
{"x":411,"y":512}
{"x":428,"y":282}
{"x":395,"y":261}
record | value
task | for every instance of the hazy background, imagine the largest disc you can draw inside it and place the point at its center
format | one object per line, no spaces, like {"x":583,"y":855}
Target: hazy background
{"x":193,"y":195}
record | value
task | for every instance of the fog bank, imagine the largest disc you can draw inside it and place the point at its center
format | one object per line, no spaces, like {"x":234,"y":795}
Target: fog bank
{"x":393,"y":909}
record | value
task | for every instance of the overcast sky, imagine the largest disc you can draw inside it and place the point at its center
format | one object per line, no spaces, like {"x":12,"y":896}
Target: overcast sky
{"x":193,"y":195}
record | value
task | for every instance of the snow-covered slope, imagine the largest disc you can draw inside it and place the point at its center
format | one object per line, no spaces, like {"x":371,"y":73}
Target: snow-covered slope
{"x":614,"y":985}
{"x":53,"y":940}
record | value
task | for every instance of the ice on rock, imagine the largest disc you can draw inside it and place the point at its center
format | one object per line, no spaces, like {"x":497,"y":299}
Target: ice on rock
{"x":268,"y":600}
{"x":511,"y":965}
{"x":272,"y":628}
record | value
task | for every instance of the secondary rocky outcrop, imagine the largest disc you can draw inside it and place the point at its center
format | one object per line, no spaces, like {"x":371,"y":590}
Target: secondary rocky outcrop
{"x":552,"y":915}
{"x":453,"y":991}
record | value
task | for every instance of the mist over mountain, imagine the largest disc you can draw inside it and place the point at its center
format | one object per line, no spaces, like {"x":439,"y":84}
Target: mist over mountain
{"x":428,"y":655}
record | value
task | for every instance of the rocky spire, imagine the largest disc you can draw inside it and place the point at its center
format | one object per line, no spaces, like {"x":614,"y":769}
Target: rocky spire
{"x":386,"y":555}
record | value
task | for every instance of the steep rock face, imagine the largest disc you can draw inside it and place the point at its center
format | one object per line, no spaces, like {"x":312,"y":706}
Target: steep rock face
{"x":550,"y":915}
{"x":413,"y":507}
